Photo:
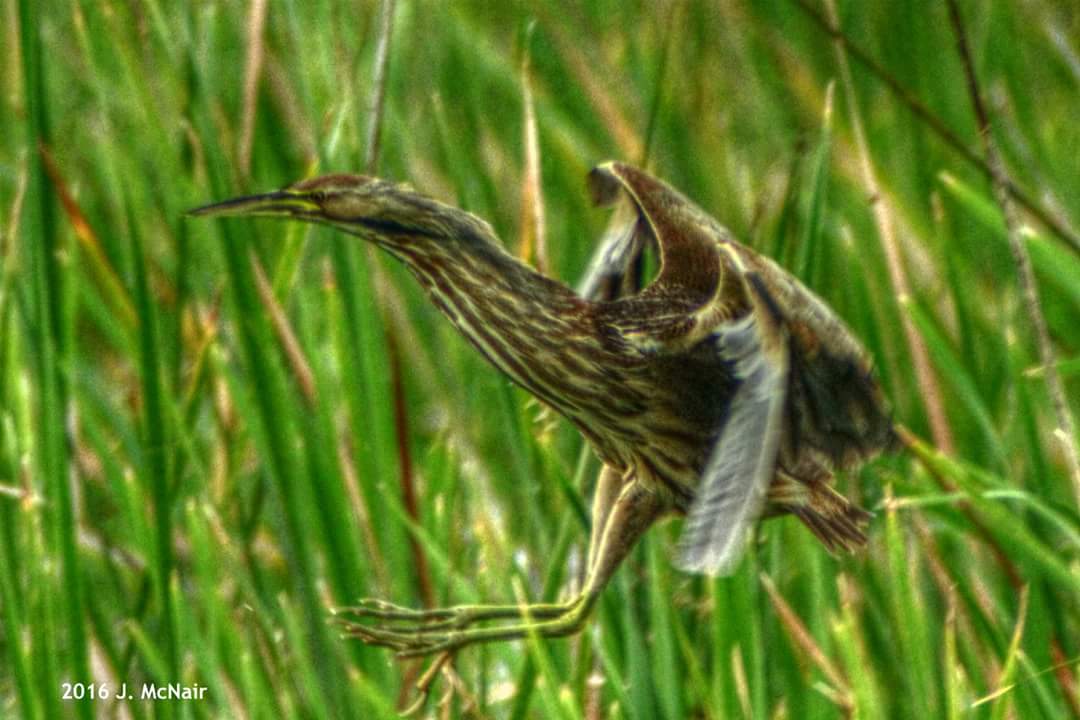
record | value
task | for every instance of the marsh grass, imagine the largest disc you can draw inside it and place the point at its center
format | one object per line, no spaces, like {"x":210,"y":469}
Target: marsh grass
{"x":178,"y":506}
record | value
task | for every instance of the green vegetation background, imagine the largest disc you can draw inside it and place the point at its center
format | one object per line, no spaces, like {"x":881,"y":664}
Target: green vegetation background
{"x":181,"y":503}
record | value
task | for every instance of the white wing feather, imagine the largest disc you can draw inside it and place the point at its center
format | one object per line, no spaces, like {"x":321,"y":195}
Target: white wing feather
{"x":733,"y":488}
{"x":620,"y":245}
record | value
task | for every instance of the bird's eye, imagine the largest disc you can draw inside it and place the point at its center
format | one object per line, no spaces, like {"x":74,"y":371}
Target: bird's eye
{"x":318,"y":196}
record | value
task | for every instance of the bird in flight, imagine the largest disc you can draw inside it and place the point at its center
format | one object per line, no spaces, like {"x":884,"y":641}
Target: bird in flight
{"x":724,"y":390}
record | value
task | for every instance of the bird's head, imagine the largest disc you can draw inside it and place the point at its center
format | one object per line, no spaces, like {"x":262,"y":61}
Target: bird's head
{"x":379,"y":210}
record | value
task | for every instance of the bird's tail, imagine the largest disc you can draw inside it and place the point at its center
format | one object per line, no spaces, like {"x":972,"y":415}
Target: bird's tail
{"x":836,"y":521}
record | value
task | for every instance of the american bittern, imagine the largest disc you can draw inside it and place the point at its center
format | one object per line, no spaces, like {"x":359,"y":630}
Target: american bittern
{"x":725,"y":390}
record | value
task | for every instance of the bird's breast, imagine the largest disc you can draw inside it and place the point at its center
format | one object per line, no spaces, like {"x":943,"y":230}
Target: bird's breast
{"x":667,"y":441}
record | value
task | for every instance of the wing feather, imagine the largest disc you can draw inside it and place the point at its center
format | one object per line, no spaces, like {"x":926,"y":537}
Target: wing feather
{"x":735,"y":482}
{"x":619,"y":248}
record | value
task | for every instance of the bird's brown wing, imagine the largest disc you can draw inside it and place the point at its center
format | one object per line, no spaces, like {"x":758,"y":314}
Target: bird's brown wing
{"x":732,"y":492}
{"x":686,"y":236}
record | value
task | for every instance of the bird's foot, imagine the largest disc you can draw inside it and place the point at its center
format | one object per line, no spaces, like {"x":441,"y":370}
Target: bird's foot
{"x":414,"y":633}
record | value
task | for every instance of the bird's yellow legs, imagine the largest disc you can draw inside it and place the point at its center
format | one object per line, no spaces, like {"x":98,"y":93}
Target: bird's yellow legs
{"x":609,"y":483}
{"x":622,"y":511}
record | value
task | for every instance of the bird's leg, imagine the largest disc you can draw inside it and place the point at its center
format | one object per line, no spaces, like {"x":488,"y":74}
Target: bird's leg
{"x":445,"y":618}
{"x":629,"y":516}
{"x":608,"y":484}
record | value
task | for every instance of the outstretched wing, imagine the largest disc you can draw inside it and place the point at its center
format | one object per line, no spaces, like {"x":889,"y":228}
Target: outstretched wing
{"x":736,"y":478}
{"x":686,"y":236}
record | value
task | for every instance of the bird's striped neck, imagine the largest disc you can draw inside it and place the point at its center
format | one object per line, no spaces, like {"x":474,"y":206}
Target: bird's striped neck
{"x":532,"y":328}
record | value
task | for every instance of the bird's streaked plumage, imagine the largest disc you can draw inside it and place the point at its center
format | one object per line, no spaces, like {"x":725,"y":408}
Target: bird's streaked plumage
{"x":724,"y":390}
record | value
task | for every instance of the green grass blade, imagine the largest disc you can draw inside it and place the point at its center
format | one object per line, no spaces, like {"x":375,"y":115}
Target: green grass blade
{"x":42,"y":243}
{"x":155,"y":472}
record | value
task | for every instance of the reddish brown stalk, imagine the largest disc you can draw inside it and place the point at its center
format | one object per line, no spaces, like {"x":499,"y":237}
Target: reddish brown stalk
{"x":1056,"y":225}
{"x":294,"y":353}
{"x":87,"y":238}
{"x":360,"y":510}
{"x":591,"y":72}
{"x":1064,"y":675}
{"x":1066,"y":430}
{"x":924,"y":371}
{"x":406,"y":476}
{"x":804,"y":641}
{"x":924,"y":454}
{"x":594,"y":692}
{"x":287,"y":104}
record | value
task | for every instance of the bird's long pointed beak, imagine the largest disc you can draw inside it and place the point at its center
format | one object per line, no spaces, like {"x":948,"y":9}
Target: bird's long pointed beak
{"x":281,"y":203}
